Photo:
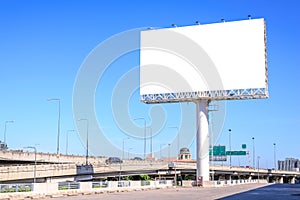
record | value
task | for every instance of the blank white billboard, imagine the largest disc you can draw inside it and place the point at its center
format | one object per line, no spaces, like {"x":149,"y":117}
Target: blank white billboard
{"x":212,"y":61}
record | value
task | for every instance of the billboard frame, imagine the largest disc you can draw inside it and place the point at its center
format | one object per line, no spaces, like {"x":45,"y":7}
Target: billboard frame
{"x":202,"y":100}
{"x":213,"y":95}
{"x":237,"y":94}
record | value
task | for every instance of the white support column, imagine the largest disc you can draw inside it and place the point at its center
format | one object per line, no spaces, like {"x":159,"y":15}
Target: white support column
{"x":281,"y":179}
{"x":202,"y":141}
{"x":293,"y":179}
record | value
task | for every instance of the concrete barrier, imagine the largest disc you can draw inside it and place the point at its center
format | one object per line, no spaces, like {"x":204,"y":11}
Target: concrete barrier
{"x":45,"y":188}
{"x":42,"y":190}
{"x":187,"y":183}
{"x":236,"y":182}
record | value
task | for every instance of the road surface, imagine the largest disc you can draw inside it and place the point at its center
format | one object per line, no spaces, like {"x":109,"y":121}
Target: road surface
{"x":247,"y":192}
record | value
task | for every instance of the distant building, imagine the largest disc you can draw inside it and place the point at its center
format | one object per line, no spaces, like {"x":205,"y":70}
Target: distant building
{"x":289,"y":164}
{"x":3,"y":146}
{"x":184,"y":154}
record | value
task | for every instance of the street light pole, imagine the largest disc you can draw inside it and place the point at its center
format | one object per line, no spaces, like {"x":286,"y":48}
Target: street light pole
{"x":178,"y":138}
{"x":141,"y":118}
{"x":4,"y":139}
{"x":127,"y":138}
{"x":150,"y":141}
{"x":67,"y":140}
{"x":229,"y":133}
{"x":258,"y":157}
{"x":87,"y":140}
{"x":34,"y":172}
{"x":169,"y":152}
{"x":274,"y":144}
{"x":58,"y":123}
{"x":129,"y":152}
{"x":253,"y":152}
{"x":160,"y":150}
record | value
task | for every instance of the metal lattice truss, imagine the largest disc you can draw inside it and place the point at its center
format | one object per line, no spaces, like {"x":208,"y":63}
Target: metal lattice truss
{"x":237,"y":94}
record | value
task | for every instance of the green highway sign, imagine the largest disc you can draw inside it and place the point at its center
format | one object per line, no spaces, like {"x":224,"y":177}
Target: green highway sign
{"x":236,"y":153}
{"x":218,"y":151}
{"x":244,"y":146}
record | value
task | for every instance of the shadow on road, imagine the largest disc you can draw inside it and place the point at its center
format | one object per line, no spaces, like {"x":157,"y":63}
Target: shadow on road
{"x":276,"y":191}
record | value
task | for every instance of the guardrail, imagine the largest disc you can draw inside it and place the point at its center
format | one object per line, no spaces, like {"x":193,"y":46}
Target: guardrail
{"x":6,"y":188}
{"x":236,"y":182}
{"x":68,"y":185}
{"x":55,"y":187}
{"x":42,"y":190}
{"x":162,"y":182}
{"x":124,"y":184}
{"x":145,"y":183}
{"x":100,"y":184}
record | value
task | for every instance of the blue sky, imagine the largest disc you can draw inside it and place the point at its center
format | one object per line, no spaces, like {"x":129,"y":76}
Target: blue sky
{"x":44,"y":43}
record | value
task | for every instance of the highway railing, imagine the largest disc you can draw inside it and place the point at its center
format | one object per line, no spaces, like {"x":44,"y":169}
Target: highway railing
{"x":68,"y":185}
{"x":124,"y":184}
{"x":145,"y":183}
{"x":8,"y":188}
{"x":100,"y":184}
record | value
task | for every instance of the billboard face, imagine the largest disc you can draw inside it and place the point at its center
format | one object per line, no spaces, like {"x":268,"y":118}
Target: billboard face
{"x":214,"y":61}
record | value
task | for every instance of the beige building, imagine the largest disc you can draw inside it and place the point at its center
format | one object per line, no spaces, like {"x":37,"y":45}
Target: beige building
{"x":184,"y":154}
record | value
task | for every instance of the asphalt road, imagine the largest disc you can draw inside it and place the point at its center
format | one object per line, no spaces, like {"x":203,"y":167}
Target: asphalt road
{"x":273,"y":192}
{"x":247,"y":192}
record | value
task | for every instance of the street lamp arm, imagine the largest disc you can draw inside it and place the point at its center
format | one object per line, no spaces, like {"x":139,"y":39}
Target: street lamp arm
{"x":34,"y":148}
{"x":141,"y":118}
{"x":53,"y":99}
{"x":87,"y":139}
{"x":178,"y":138}
{"x":67,"y":140}
{"x":6,"y":122}
{"x":58,"y":123}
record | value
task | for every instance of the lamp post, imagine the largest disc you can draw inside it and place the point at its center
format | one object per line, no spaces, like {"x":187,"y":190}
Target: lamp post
{"x":229,"y":134}
{"x":34,"y":172}
{"x":67,"y":140}
{"x":258,"y":157}
{"x":150,"y":141}
{"x":127,"y":138}
{"x":160,"y":150}
{"x":5,"y":128}
{"x":178,"y":138}
{"x":87,"y":140}
{"x":141,"y":118}
{"x":253,"y":152}
{"x":58,"y":123}
{"x":169,"y":152}
{"x":129,"y":152}
{"x":274,"y":144}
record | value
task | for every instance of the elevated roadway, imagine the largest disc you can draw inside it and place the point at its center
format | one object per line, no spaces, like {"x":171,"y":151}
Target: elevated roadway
{"x":18,"y":156}
{"x":68,"y":171}
{"x":53,"y":167}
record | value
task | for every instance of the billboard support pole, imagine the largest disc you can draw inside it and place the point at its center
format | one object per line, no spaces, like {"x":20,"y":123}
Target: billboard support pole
{"x":202,"y":140}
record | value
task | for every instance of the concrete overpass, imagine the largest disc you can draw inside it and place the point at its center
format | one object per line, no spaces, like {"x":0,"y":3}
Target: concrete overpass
{"x":68,"y":172}
{"x":53,"y":167}
{"x":19,"y":156}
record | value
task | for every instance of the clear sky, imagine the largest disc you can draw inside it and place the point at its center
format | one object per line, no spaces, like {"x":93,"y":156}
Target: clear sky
{"x":44,"y":44}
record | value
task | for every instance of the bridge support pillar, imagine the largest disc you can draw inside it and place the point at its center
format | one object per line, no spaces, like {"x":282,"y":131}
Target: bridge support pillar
{"x":250,"y":178}
{"x":280,"y":179}
{"x":293,"y":180}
